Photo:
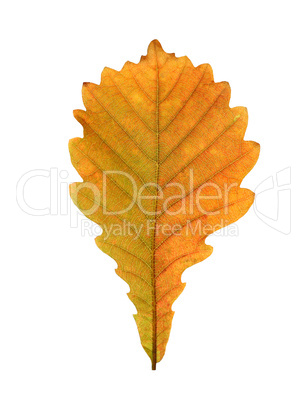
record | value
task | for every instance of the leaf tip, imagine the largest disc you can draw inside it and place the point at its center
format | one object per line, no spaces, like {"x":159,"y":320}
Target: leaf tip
{"x":155,"y":53}
{"x":154,"y":45}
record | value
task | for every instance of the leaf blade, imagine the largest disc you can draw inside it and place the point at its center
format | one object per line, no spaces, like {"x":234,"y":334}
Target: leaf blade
{"x":156,"y":121}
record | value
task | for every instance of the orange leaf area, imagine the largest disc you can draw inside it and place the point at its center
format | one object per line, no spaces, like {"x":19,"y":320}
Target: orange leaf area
{"x":162,"y":160}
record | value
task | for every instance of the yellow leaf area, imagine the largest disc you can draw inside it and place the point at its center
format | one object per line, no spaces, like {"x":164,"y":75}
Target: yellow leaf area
{"x":161,"y":160}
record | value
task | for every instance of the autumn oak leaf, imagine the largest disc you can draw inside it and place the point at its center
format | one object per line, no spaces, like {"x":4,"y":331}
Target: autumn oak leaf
{"x":162,"y":160}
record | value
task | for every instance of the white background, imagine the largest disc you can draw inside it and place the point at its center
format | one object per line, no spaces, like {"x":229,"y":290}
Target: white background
{"x":67,"y":331}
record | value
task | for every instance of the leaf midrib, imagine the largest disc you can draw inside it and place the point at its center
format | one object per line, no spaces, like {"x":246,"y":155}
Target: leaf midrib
{"x":153,"y":278}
